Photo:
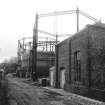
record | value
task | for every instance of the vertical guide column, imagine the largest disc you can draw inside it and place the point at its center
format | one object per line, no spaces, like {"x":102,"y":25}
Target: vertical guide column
{"x":34,"y":50}
{"x":77,"y":13}
{"x":57,"y":85}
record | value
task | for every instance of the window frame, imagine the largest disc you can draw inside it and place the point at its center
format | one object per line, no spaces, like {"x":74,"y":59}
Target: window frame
{"x":77,"y":66}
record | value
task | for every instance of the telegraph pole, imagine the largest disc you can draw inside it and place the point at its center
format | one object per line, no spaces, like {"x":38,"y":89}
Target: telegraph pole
{"x":34,"y":54}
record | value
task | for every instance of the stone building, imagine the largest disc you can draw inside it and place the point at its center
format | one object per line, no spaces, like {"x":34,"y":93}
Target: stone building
{"x":80,"y":62}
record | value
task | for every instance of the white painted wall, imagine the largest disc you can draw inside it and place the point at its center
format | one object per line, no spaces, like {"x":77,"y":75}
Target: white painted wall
{"x":62,"y":78}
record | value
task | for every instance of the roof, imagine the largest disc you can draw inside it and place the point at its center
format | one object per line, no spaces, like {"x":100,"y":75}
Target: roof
{"x":97,"y":25}
{"x":74,"y":35}
{"x":52,"y":68}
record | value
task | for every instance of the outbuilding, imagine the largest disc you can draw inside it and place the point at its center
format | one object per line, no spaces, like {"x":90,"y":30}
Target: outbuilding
{"x":52,"y":76}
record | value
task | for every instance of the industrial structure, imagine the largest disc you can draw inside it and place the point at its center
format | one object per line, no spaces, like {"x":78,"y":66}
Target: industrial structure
{"x":26,"y":50}
{"x":36,"y":31}
{"x":45,"y":57}
{"x":23,"y":55}
{"x":73,"y":69}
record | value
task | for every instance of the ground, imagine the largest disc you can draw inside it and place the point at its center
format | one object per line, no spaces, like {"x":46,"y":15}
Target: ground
{"x":22,"y":92}
{"x":3,"y":92}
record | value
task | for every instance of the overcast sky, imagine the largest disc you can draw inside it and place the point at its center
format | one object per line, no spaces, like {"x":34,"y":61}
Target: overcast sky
{"x":17,"y":19}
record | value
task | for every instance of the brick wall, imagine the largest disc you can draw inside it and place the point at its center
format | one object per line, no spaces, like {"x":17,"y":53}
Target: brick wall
{"x":97,"y":49}
{"x":63,"y":58}
{"x":91,"y":44}
{"x":79,"y":43}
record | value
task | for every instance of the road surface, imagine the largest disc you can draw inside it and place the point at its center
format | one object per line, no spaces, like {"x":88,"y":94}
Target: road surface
{"x":22,"y":92}
{"x":3,"y":92}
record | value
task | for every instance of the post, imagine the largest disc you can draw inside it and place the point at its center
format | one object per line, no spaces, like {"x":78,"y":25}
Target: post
{"x":19,"y":58}
{"x":35,"y":39}
{"x":50,"y":55}
{"x":77,"y":13}
{"x":56,"y":39}
{"x":18,"y":51}
{"x":57,"y":85}
{"x":50,"y":45}
{"x":23,"y":44}
{"x":46,"y":44}
{"x":100,"y":21}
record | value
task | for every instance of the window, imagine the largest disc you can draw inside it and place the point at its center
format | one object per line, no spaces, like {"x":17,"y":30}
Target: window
{"x":77,"y":66}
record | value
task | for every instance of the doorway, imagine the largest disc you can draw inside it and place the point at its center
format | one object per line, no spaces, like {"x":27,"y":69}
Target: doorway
{"x":62,"y":78}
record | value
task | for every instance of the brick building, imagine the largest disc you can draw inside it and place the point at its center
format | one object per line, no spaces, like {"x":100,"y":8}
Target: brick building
{"x":80,"y":62}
